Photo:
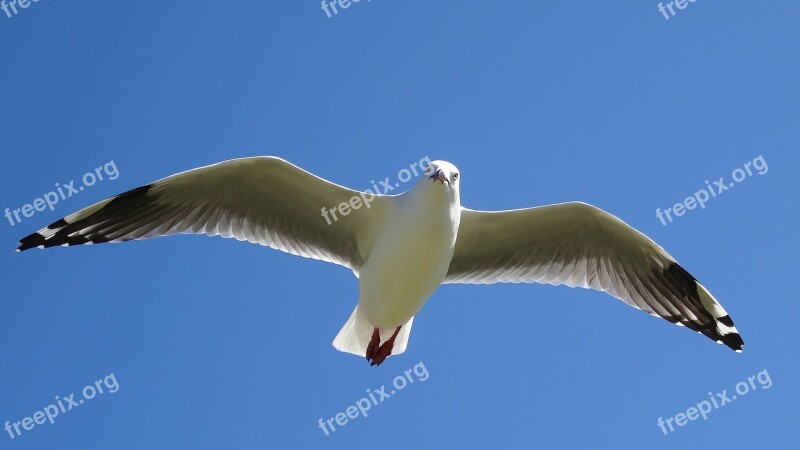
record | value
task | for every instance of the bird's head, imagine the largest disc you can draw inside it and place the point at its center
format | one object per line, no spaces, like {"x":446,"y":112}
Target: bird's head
{"x":441,"y":172}
{"x":441,"y":179}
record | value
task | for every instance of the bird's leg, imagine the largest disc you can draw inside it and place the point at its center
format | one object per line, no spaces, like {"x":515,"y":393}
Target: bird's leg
{"x":374,"y":344}
{"x":381,"y":353}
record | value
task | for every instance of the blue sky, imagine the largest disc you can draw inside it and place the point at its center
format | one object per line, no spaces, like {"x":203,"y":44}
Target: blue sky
{"x":219,"y":344}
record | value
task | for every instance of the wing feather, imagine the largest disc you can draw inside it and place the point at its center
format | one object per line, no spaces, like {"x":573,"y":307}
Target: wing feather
{"x":263,"y":200}
{"x":579,"y":245}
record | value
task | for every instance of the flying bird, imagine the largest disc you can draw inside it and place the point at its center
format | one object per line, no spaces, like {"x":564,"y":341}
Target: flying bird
{"x":402,"y":247}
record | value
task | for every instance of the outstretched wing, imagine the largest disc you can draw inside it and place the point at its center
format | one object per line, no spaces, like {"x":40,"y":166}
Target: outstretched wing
{"x":263,"y":200}
{"x":576,"y":244}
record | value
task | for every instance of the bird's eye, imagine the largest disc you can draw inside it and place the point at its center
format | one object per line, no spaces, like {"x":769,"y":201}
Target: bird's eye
{"x":428,"y":169}
{"x":455,"y":176}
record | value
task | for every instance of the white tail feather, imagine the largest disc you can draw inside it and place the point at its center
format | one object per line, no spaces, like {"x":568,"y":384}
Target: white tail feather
{"x":356,"y":333}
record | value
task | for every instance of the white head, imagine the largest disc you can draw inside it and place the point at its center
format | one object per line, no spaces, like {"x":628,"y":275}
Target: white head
{"x":441,"y":177}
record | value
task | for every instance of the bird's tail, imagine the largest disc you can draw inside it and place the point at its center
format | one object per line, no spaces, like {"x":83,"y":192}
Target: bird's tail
{"x":355,"y":335}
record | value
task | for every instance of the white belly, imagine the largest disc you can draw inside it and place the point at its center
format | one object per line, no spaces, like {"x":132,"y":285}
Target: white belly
{"x":406,"y":265}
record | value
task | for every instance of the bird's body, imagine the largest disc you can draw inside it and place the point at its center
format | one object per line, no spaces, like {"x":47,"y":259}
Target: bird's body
{"x":402,"y":247}
{"x":406,"y":265}
{"x":410,"y":258}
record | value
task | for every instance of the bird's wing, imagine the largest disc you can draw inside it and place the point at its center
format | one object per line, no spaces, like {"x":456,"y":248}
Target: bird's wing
{"x":576,"y":244}
{"x":263,"y":200}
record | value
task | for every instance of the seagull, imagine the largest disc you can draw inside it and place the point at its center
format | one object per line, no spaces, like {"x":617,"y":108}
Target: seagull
{"x":401,"y":248}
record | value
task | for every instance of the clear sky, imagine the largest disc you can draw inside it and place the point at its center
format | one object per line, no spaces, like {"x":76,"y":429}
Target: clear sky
{"x":216,"y":344}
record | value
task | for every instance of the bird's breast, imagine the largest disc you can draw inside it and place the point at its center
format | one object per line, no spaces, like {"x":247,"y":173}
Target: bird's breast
{"x":408,"y":262}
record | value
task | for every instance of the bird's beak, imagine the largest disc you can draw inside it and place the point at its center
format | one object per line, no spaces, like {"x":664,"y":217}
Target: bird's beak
{"x":439,"y":176}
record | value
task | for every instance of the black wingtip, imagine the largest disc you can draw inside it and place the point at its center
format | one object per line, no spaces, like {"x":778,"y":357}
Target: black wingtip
{"x":30,"y":241}
{"x":727,"y":335}
{"x":37,"y":240}
{"x":64,"y":232}
{"x":734,"y":341}
{"x":58,"y":224}
{"x":726,"y":320}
